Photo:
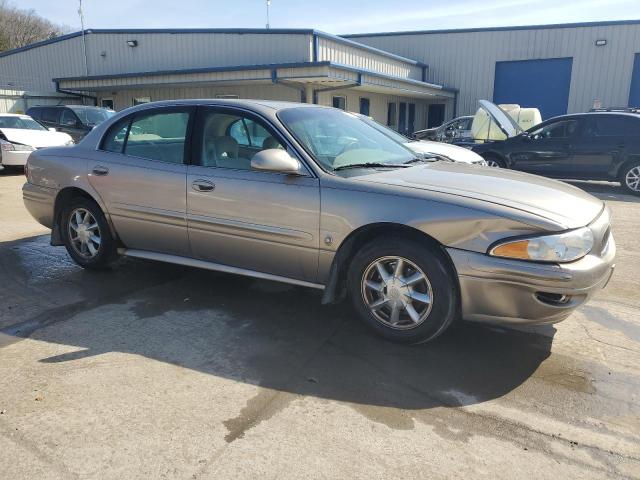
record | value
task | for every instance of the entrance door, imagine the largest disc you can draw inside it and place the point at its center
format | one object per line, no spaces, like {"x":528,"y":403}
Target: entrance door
{"x":435,"y":115}
{"x":411,"y":121}
{"x":402,"y":118}
{"x":261,"y":221}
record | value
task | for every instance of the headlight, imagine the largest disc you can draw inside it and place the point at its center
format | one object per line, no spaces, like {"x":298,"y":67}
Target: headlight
{"x":561,"y":247}
{"x":16,"y":147}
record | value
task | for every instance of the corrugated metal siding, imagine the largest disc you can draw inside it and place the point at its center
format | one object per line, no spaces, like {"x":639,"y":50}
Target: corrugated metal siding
{"x":124,"y":98}
{"x":33,"y":69}
{"x":18,"y":101}
{"x":346,"y":54}
{"x":467,"y":60}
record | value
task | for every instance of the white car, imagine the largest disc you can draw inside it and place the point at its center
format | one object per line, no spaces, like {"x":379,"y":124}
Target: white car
{"x":428,"y":149}
{"x":20,"y":135}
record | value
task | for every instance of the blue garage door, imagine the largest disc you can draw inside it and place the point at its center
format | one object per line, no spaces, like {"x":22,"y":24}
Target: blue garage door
{"x":634,"y":93}
{"x":543,"y":84}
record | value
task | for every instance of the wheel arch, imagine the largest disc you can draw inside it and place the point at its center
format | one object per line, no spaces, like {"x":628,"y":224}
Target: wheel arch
{"x":64,"y":196}
{"x":335,"y":288}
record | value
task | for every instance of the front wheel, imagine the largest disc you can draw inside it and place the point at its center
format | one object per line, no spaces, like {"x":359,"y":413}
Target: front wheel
{"x":403,"y":290}
{"x":494,"y":162}
{"x":86,"y":234}
{"x":630,"y":177}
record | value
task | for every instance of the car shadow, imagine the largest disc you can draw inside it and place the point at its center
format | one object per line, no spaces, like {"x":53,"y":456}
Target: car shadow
{"x":273,"y":335}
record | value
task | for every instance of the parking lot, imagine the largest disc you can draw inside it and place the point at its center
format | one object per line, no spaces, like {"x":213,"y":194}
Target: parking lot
{"x":155,"y":371}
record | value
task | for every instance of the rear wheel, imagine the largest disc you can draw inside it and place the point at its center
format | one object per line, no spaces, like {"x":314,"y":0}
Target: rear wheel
{"x":630,"y":177}
{"x":86,"y":234}
{"x":403,"y":290}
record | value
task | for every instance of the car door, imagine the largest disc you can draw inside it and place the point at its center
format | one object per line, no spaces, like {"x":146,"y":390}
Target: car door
{"x":603,"y":140}
{"x":71,"y":124}
{"x":546,"y":150}
{"x":260,"y":221}
{"x":140,"y":172}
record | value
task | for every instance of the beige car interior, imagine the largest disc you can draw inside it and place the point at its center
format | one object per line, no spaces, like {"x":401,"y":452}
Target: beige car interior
{"x":220,"y":149}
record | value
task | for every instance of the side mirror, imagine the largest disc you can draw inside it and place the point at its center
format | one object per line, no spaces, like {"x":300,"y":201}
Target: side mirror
{"x":51,"y":129}
{"x":526,"y":137}
{"x":275,"y":160}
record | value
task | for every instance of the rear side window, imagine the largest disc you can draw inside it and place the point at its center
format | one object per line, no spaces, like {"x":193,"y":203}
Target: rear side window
{"x":34,"y":113}
{"x":158,"y":136}
{"x":114,"y":140}
{"x":50,"y":114}
{"x":611,"y":126}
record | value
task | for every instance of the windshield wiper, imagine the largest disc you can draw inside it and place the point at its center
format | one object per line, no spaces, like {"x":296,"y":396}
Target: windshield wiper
{"x":370,"y":165}
{"x":426,"y":158}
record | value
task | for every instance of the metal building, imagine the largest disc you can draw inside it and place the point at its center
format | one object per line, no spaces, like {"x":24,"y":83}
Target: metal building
{"x":558,"y":68}
{"x":121,"y":68}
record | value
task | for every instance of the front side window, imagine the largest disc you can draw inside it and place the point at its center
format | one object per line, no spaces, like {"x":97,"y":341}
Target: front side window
{"x":562,"y":129}
{"x":230,"y":140}
{"x":68,"y":119}
{"x":92,"y":115}
{"x":338,"y":139}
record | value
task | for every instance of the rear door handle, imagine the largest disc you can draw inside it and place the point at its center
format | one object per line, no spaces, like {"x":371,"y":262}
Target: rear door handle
{"x":100,"y":170}
{"x":203,"y":186}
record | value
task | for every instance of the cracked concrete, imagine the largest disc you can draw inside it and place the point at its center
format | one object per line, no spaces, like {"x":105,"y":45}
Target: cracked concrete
{"x":157,"y":371}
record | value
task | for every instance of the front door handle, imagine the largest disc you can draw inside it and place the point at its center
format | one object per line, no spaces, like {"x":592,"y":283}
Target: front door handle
{"x":100,"y":170}
{"x":203,"y":186}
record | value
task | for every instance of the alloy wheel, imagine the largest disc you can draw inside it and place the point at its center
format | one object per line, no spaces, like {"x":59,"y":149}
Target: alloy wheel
{"x":492,"y":163}
{"x":84,"y":233}
{"x":397,"y":292}
{"x":632,"y":179}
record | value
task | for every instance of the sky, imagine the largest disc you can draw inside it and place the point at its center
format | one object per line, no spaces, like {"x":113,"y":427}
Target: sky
{"x":333,"y":16}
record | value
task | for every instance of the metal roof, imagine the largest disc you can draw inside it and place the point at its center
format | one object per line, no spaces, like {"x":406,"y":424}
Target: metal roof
{"x":497,"y":29}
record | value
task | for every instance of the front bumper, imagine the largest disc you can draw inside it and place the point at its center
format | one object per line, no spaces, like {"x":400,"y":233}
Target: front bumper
{"x":498,"y":290}
{"x":15,"y":158}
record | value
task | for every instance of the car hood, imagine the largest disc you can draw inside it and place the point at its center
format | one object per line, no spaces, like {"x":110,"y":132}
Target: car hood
{"x":561,"y":203}
{"x":507,"y":124}
{"x":457,"y":154}
{"x":35,"y":138}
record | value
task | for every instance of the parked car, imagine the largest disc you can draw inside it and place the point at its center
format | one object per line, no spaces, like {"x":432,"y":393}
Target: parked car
{"x":313,"y":196}
{"x":427,"y":149}
{"x":588,"y":146}
{"x":20,"y":135}
{"x":76,"y":120}
{"x":458,"y":129}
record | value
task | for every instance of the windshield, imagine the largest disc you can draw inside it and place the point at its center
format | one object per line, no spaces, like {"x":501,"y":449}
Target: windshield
{"x":24,"y":123}
{"x":398,"y":137}
{"x":93,"y":116}
{"x":337,"y":139}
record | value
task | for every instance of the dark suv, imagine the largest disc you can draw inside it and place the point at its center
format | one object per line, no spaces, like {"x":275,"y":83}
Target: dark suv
{"x":76,"y":120}
{"x":587,"y":146}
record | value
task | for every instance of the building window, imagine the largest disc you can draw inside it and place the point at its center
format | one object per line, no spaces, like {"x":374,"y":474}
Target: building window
{"x":107,"y":103}
{"x":141,"y":100}
{"x":391,"y":115}
{"x":340,"y":102}
{"x":364,"y":106}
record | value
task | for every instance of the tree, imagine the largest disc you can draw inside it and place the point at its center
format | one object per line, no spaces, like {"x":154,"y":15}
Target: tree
{"x":20,"y":27}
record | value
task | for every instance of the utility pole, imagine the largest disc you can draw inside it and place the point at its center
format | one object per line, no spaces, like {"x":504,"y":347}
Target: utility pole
{"x":268,"y":5}
{"x":84,"y":40}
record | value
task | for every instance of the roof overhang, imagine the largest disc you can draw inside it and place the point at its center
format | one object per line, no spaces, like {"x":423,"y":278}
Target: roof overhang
{"x":322,"y":74}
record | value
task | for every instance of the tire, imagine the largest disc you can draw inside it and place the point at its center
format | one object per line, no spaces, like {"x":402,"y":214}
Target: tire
{"x":95,"y":255}
{"x":495,"y":162}
{"x":630,"y":177}
{"x":434,"y":301}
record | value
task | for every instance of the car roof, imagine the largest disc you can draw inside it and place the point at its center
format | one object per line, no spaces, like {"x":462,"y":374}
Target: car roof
{"x":20,"y":115}
{"x":590,"y":114}
{"x":271,"y":104}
